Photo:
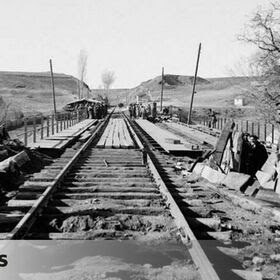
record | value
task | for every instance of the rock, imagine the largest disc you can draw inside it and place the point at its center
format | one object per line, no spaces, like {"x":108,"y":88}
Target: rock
{"x":275,"y":257}
{"x":236,"y":180}
{"x":258,"y":261}
{"x":185,"y":173}
{"x":247,"y":264}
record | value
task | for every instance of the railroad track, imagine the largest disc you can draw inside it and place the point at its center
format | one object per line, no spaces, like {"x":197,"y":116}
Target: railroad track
{"x":112,"y":193}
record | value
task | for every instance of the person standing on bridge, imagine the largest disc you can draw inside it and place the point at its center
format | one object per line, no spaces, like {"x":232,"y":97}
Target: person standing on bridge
{"x":89,"y":109}
{"x":130,"y":109}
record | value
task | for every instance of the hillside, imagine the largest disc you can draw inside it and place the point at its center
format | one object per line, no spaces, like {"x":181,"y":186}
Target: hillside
{"x":32,"y":92}
{"x":210,"y":92}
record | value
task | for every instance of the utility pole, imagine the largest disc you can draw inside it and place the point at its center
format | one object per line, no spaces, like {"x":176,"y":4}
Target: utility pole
{"x":194,"y":83}
{"x":53,"y":92}
{"x":162,"y":83}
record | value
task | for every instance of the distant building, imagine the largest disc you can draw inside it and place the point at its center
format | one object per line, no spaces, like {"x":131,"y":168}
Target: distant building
{"x":239,"y":101}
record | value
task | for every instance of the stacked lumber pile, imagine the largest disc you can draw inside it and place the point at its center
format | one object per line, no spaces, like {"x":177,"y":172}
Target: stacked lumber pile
{"x":235,"y":164}
{"x":116,"y":135}
{"x":268,"y":177}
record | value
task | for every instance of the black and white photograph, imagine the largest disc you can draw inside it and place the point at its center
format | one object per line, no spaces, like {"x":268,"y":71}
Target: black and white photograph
{"x":139,"y":140}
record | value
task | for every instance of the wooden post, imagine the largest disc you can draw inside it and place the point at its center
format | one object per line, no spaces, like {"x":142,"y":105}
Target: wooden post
{"x":78,"y":116}
{"x":34,"y":129}
{"x":52,"y":124}
{"x":162,"y":84}
{"x":53,"y":92}
{"x":64,"y":118}
{"x":253,"y":128}
{"x":25,"y":132}
{"x":42,"y":127}
{"x":265,"y":132}
{"x":247,"y":126}
{"x":258,"y":131}
{"x":48,"y":126}
{"x":61,"y":115}
{"x":272,"y":134}
{"x":194,"y":83}
{"x":57,"y":123}
{"x":68,"y":120}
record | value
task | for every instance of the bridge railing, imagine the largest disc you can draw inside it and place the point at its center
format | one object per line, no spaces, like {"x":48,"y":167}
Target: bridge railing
{"x":39,"y":127}
{"x":266,"y":132}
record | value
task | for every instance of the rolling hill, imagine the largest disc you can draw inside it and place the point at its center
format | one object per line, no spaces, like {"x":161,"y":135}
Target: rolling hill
{"x":32,"y":92}
{"x":211,"y":92}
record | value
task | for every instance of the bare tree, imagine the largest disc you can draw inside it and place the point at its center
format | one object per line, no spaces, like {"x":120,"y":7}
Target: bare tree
{"x":108,"y":78}
{"x":263,"y":32}
{"x":82,"y":71}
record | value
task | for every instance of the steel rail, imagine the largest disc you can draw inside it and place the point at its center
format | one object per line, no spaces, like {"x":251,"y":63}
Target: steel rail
{"x":188,"y":238}
{"x":23,"y":226}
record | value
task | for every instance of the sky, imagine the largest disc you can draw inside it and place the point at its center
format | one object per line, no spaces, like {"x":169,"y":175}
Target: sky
{"x":133,"y":38}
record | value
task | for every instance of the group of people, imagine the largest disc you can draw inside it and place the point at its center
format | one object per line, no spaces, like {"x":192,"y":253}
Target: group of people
{"x":96,"y":110}
{"x":141,"y":110}
{"x":212,"y":118}
{"x":254,"y":154}
{"x":91,"y":110}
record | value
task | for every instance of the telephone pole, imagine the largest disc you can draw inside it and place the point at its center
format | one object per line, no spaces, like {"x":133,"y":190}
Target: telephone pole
{"x":53,"y":92}
{"x":162,"y":83}
{"x":194,"y":83}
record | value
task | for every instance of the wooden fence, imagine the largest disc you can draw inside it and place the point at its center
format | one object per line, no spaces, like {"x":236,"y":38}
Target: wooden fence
{"x":261,"y":129}
{"x":39,"y":127}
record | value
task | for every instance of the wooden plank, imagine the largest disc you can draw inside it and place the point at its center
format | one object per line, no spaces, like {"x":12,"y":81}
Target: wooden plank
{"x":116,"y":137}
{"x":109,"y":141}
{"x":121,"y":134}
{"x":202,"y":137}
{"x":128,"y":139}
{"x":159,"y":135}
{"x":222,"y":142}
{"x":102,"y":141}
{"x":238,"y":149}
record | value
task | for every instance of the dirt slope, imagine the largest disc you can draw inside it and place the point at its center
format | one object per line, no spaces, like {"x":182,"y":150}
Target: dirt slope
{"x":33,"y":91}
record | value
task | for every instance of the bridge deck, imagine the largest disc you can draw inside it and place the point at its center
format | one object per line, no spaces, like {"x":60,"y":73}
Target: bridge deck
{"x":116,"y":135}
{"x":61,"y":139}
{"x":191,"y":130}
{"x":167,"y":140}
